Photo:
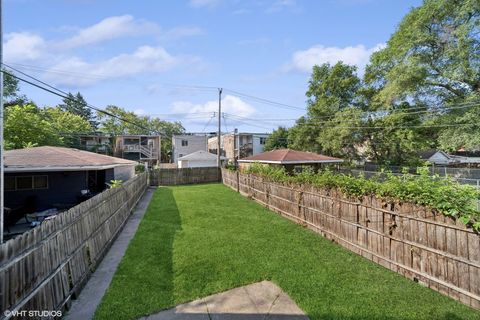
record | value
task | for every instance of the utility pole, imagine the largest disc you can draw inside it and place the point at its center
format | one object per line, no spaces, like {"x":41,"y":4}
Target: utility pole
{"x":219,"y":163}
{"x":2,"y":175}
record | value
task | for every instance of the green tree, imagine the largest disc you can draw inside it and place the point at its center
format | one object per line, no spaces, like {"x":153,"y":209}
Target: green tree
{"x":277,"y":140}
{"x":67,"y":125}
{"x":431,"y":62}
{"x":76,"y":104}
{"x":434,"y":56}
{"x":11,"y":91}
{"x":334,"y":110}
{"x":29,"y":125}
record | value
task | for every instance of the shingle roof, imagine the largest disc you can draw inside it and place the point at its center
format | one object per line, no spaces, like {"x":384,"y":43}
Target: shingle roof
{"x":287,"y":156}
{"x":57,"y":158}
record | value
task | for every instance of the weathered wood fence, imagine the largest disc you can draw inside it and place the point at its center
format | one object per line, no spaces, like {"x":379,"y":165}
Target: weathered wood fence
{"x":45,"y":267}
{"x":412,"y":240}
{"x":178,"y":176}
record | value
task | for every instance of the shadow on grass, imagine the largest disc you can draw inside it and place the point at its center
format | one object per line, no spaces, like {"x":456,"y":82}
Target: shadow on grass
{"x":145,"y":276}
{"x":165,"y":219}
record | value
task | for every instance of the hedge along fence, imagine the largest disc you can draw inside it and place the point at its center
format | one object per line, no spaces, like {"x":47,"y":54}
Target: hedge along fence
{"x":412,"y":240}
{"x":179,"y":176}
{"x":45,"y":267}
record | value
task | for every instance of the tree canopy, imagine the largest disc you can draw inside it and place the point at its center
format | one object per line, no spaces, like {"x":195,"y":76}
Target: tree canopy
{"x":420,"y":91}
{"x":28,"y":125}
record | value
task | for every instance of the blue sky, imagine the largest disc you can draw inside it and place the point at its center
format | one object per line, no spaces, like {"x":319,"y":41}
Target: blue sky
{"x":157,"y":57}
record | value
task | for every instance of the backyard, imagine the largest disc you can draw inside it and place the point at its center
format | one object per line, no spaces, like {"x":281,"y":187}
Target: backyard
{"x":203,"y":239}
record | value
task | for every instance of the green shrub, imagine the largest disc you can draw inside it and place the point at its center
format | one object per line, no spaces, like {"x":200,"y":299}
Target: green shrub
{"x":439,"y":193}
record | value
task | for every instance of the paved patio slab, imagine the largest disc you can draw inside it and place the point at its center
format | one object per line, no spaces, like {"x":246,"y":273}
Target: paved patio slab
{"x":258,"y":301}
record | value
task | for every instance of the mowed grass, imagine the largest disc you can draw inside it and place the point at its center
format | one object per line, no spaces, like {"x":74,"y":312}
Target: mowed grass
{"x":198,"y":240}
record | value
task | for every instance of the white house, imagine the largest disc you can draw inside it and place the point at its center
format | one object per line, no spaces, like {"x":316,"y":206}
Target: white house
{"x":437,"y":157}
{"x":198,"y":159}
{"x":187,"y":144}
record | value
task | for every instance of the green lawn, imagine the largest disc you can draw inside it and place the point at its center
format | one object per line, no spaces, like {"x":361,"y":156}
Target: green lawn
{"x":202,"y":239}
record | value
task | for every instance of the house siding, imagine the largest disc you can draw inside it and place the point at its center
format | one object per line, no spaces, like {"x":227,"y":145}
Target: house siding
{"x":63,"y":188}
{"x":195,"y":143}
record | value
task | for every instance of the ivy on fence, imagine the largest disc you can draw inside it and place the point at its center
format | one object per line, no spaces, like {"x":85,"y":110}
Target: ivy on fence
{"x":442,"y":194}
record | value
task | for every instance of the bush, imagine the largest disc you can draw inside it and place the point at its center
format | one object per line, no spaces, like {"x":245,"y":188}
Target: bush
{"x":442,"y":194}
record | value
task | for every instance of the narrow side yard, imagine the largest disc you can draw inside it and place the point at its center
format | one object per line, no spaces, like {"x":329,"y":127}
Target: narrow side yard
{"x":202,"y":239}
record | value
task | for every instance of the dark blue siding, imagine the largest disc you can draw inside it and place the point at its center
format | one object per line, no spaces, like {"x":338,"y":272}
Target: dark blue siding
{"x":63,"y":188}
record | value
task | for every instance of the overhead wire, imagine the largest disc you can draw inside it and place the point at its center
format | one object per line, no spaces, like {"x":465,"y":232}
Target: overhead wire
{"x":64,"y":95}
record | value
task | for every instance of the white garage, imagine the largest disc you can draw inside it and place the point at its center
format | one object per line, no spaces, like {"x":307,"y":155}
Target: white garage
{"x":198,"y":159}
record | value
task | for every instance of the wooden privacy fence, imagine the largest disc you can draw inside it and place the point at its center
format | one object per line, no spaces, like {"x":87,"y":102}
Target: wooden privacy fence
{"x":168,"y":177}
{"x":44,"y":267}
{"x":412,"y":240}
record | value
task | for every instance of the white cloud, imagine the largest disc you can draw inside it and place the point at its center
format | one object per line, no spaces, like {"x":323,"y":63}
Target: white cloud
{"x":230,"y":104}
{"x":145,"y":59}
{"x":204,"y":3}
{"x":181,"y":32}
{"x":23,"y":46}
{"x":111,"y":28}
{"x":280,"y":5}
{"x":304,"y":60}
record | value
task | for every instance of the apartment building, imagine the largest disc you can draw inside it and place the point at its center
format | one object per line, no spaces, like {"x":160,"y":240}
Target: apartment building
{"x":241,"y":145}
{"x":143,"y":148}
{"x":186,"y":144}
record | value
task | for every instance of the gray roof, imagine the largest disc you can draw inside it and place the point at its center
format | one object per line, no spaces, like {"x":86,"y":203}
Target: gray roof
{"x":49,"y":158}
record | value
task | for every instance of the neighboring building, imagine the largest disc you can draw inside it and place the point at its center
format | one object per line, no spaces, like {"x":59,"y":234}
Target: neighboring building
{"x":437,"y":157}
{"x":187,"y":144}
{"x":292,"y":160}
{"x":240,"y":145}
{"x":45,"y":177}
{"x":97,"y":143}
{"x":198,"y":159}
{"x":141,"y":148}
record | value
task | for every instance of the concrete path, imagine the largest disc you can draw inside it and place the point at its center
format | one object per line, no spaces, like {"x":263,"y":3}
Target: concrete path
{"x":259,"y":301}
{"x":84,"y":307}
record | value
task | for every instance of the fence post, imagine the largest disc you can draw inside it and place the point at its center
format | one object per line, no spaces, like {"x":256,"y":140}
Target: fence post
{"x":238,"y":181}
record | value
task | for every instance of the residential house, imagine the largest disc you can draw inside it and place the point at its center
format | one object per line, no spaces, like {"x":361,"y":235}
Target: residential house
{"x":291,"y":160}
{"x":240,"y":145}
{"x":198,"y":159}
{"x":98,"y":143}
{"x":185,"y":144}
{"x":437,"y":157}
{"x":55,"y":177}
{"x":142,"y":148}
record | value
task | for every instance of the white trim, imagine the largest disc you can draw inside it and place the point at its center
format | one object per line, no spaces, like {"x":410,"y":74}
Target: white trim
{"x":64,"y":168}
{"x":292,"y":162}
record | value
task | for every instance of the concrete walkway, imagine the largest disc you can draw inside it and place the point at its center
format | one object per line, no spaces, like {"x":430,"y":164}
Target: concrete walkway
{"x":259,"y":301}
{"x":84,"y":307}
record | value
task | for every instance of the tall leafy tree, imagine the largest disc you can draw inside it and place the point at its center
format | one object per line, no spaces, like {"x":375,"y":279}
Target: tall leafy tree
{"x":277,"y":140}
{"x":29,"y":125}
{"x":11,"y":91}
{"x":333,"y":112}
{"x":432,"y":61}
{"x":76,"y":104}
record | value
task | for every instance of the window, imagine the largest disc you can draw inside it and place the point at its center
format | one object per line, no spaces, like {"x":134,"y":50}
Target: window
{"x":26,"y":183}
{"x":184,"y":143}
{"x":40,"y":182}
{"x":180,"y":155}
{"x":9,"y":183}
{"x":263,"y":140}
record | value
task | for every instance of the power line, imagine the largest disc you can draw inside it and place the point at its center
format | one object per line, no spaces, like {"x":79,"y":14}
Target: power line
{"x":65,"y":96}
{"x":266,"y":101}
{"x":208,"y":122}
